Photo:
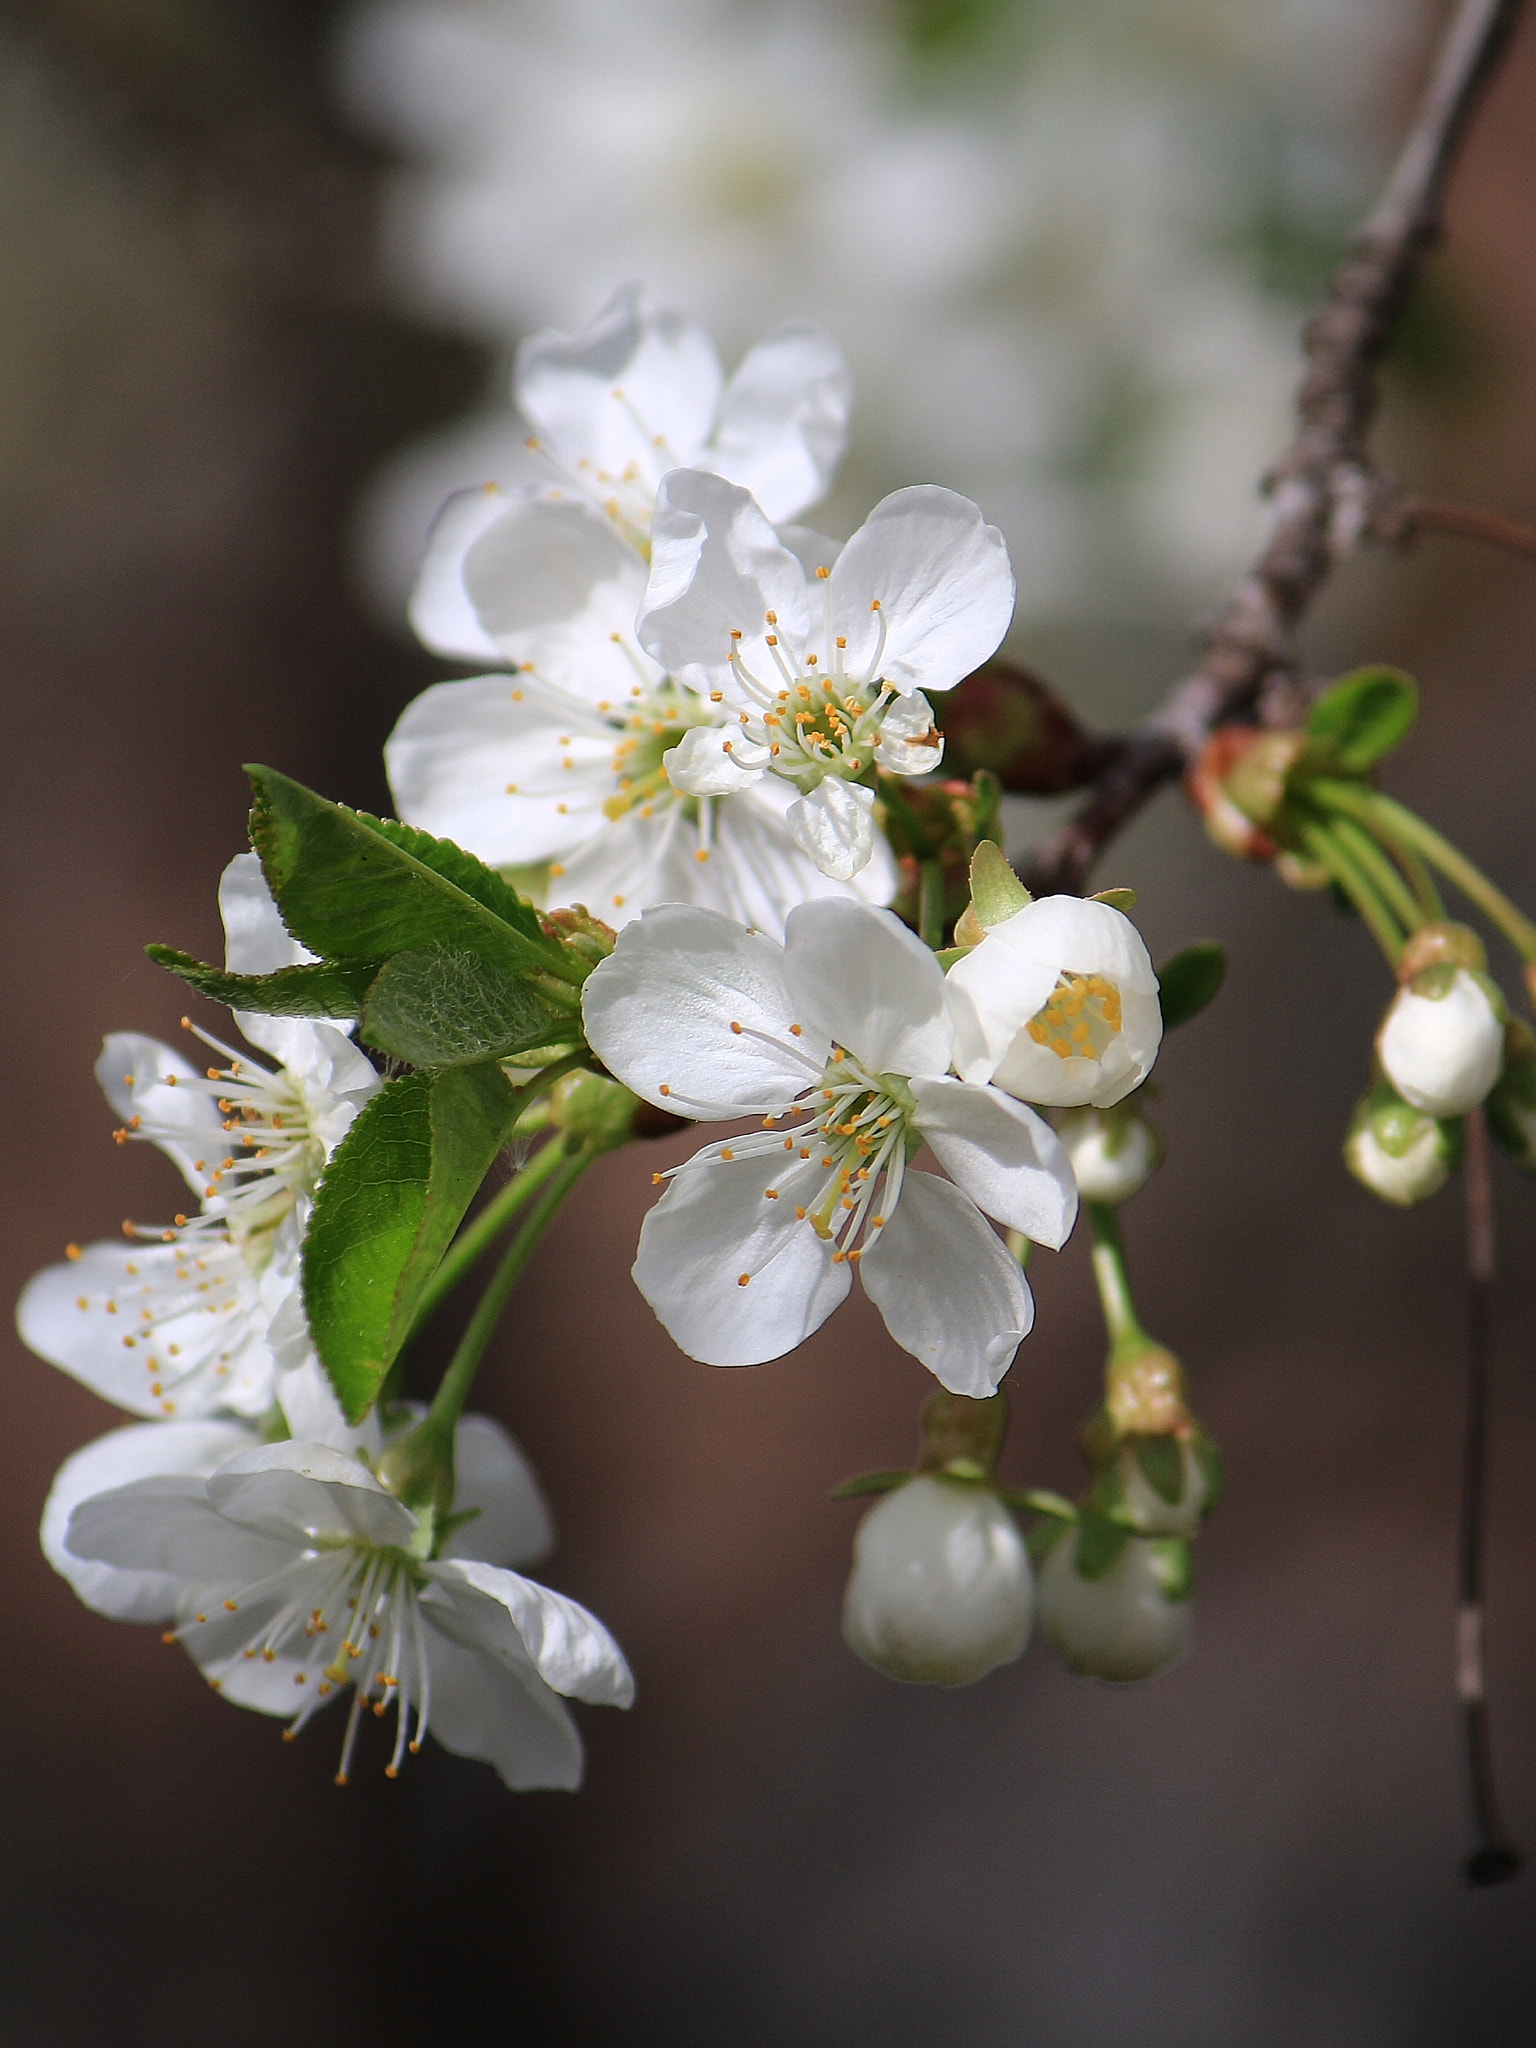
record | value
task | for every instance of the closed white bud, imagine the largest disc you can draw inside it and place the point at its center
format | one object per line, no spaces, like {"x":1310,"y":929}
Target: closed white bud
{"x":1114,"y":1152}
{"x":1442,"y":1040}
{"x":1123,"y":1625}
{"x":1397,"y":1151}
{"x":941,"y":1591}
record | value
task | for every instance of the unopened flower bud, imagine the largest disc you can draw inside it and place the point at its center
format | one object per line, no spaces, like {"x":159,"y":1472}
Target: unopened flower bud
{"x":1114,"y":1152}
{"x":1160,"y":1485}
{"x":1230,"y":827}
{"x":1512,"y":1105}
{"x":1441,"y":1042}
{"x":1397,"y":1151}
{"x":599,"y":1111}
{"x":1123,"y":1623}
{"x":941,"y":1591}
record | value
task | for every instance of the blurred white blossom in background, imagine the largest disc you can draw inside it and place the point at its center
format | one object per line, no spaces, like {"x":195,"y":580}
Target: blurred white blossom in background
{"x":1066,"y":244}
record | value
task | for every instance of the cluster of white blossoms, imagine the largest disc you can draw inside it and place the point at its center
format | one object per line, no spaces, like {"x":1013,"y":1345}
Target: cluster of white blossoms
{"x":247,"y":1520}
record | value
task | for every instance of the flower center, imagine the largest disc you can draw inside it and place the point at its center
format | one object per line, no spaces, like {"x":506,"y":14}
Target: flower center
{"x":653,"y":722}
{"x":817,"y":720}
{"x":1081,"y":1017}
{"x":344,"y":1613}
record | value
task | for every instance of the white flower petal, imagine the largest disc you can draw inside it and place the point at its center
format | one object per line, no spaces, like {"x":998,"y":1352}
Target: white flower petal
{"x":714,"y":1224}
{"x":142,"y":1078}
{"x":1075,"y":935}
{"x":143,"y":1451}
{"x":941,"y":578}
{"x":440,"y":610}
{"x":784,"y":418}
{"x":659,"y":1013}
{"x":494,"y":1481}
{"x":481,"y":763}
{"x":294,"y":1491}
{"x":812,"y":550}
{"x":637,"y":375}
{"x":195,"y":1316}
{"x":166,"y":1525}
{"x":859,"y":977}
{"x":510,"y":1617}
{"x":1008,"y":1160}
{"x":557,"y":590}
{"x":1442,"y":1055}
{"x":835,"y":827}
{"x":717,"y":568}
{"x":256,"y":941}
{"x":714,"y":760}
{"x":499,"y":1713}
{"x":910,"y":743}
{"x":948,"y":1289}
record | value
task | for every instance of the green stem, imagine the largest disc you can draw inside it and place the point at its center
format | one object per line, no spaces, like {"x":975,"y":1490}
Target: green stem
{"x":930,"y":903}
{"x":1323,"y":846}
{"x":1114,"y":1282}
{"x":448,"y":1401}
{"x":1395,"y":819}
{"x":1372,"y":861}
{"x":1421,"y":881}
{"x":473,"y":1240}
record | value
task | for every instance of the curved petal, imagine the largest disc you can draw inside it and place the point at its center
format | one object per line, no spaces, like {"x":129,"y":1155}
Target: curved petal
{"x":860,"y":977}
{"x":714,"y":1224}
{"x":764,"y":873}
{"x":499,"y":1714}
{"x":145,"y":1450}
{"x":142,"y":1078}
{"x":660,"y":1012}
{"x":294,"y":1491}
{"x":784,"y":418}
{"x":1008,"y":1160}
{"x":157,"y":1329}
{"x":812,"y":550}
{"x":638,"y":380}
{"x":510,"y":1617}
{"x":992,"y":995}
{"x":927,"y":561}
{"x":714,"y":760}
{"x":167,"y":1525}
{"x":495,"y":1483}
{"x":948,"y":1289}
{"x":256,"y":941}
{"x":309,"y":1406}
{"x":910,"y":743}
{"x":557,"y":590}
{"x":717,"y":569}
{"x":441,"y":613}
{"x":835,"y":827}
{"x":484,"y":763}
{"x":1075,"y":935}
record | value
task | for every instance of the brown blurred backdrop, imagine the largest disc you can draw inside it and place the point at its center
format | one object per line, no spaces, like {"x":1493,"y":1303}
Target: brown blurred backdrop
{"x":197,"y":373}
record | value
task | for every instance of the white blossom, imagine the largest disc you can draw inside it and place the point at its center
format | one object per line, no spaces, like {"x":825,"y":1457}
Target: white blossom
{"x":818,"y":656}
{"x":1114,"y":1153}
{"x":177,"y":1321}
{"x":1121,"y":1626}
{"x":840,"y":1041}
{"x":1441,"y":1043}
{"x":1058,"y":1004}
{"x":289,"y":1573}
{"x":557,"y":766}
{"x":941,"y":1592}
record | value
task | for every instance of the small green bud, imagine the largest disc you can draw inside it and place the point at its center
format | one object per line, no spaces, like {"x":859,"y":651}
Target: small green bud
{"x":1128,"y":1622}
{"x":598,"y":1111}
{"x":1114,"y":1152}
{"x":1400,"y":1153}
{"x":1259,"y":780}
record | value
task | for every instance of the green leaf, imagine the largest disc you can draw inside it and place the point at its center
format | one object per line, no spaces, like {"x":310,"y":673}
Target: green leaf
{"x":391,"y":1200}
{"x":996,"y":891}
{"x":441,"y":1008}
{"x":1190,"y":980}
{"x":1099,"y":1544}
{"x":1038,"y":1499}
{"x":325,"y":988}
{"x":1365,"y":715}
{"x":349,"y":885}
{"x":1161,"y":1459}
{"x":868,"y":1482}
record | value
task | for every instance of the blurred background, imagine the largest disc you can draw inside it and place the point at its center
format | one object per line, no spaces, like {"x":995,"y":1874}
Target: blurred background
{"x":264,"y":266}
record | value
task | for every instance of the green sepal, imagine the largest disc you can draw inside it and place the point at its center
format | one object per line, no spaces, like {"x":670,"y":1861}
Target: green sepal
{"x":348,"y":885}
{"x":1173,"y":1564}
{"x":1100,"y":1543}
{"x":1363,"y":716}
{"x":996,"y":891}
{"x":322,"y":988}
{"x":392,"y":1197}
{"x":438,"y":1007}
{"x":1038,"y":1500}
{"x":1191,"y":980}
{"x":1123,"y":900}
{"x":1161,"y":1459}
{"x":869,"y":1482}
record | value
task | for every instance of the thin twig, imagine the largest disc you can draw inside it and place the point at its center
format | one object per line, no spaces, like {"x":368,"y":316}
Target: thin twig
{"x":1321,"y":488}
{"x":1412,"y":516}
{"x":1495,"y":1859}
